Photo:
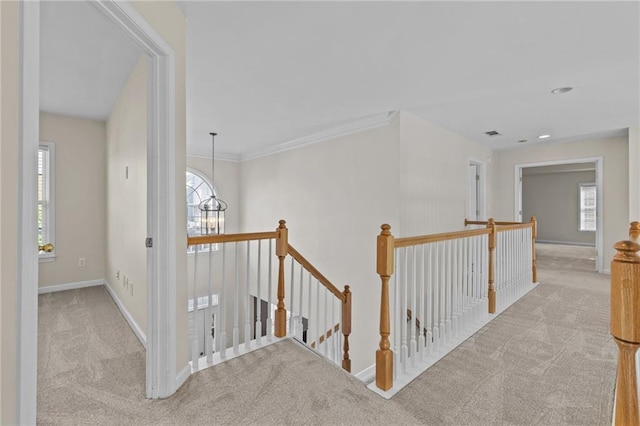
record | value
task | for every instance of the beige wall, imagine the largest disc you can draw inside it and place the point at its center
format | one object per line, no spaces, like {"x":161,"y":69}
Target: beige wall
{"x":615,"y":180}
{"x":227,"y":182}
{"x":167,"y":19}
{"x":9,"y":175}
{"x":434,"y":177}
{"x":334,"y":196}
{"x":80,"y":196}
{"x":127,"y":196}
{"x":553,"y":198}
{"x":634,"y":174}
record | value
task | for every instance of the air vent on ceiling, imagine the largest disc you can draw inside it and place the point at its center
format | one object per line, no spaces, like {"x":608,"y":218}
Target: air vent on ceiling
{"x":492,"y":133}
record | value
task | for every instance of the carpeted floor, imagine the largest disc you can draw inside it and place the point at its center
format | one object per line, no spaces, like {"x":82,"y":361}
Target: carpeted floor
{"x":547,"y":360}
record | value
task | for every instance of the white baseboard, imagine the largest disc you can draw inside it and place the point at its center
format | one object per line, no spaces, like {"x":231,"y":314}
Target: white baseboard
{"x":368,"y":375}
{"x":566,"y":243}
{"x":182,"y":376}
{"x":69,"y":286}
{"x":127,"y":316}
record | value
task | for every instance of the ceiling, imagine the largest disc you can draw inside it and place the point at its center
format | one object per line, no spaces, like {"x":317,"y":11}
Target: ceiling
{"x":262,"y":74}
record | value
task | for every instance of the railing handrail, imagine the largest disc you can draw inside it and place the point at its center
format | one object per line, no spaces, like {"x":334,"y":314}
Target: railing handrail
{"x":504,"y":228}
{"x":433,"y":238}
{"x":230,"y":238}
{"x":485,"y":222}
{"x":315,"y":273}
{"x":385,"y":263}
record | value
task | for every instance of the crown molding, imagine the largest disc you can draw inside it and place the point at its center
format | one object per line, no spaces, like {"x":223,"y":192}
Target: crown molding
{"x":372,"y":122}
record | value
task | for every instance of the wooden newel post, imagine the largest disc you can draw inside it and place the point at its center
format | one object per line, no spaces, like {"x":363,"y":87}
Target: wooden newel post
{"x":492,"y":269}
{"x":384,"y":355}
{"x":534,"y":235}
{"x":282,"y":248}
{"x":634,"y":232}
{"x":346,"y":327}
{"x":625,"y":328}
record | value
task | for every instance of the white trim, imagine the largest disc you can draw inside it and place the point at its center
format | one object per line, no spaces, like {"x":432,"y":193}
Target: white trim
{"x":137,"y":330}
{"x":566,"y":243}
{"x":70,"y":286}
{"x":599,"y":195}
{"x":373,"y":122}
{"x":482,"y":188}
{"x":224,"y":156}
{"x":161,"y":196}
{"x":183,"y":375}
{"x":368,"y":375}
{"x":27,"y":279}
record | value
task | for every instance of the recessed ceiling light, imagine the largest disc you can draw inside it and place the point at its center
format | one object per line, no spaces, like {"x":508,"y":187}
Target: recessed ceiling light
{"x":561,"y":90}
{"x":522,"y":141}
{"x":544,"y":136}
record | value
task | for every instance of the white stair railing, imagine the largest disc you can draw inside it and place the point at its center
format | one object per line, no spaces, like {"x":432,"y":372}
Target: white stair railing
{"x":438,"y":290}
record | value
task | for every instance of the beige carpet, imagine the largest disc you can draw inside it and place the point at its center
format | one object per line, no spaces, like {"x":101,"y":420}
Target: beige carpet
{"x":547,"y":360}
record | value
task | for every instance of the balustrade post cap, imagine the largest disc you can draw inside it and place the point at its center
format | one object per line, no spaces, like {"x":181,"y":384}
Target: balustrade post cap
{"x":347,"y":289}
{"x":282,"y":223}
{"x":533,"y":219}
{"x":635,"y":225}
{"x":491,"y":221}
{"x":386,"y":229}
{"x":627,"y":251}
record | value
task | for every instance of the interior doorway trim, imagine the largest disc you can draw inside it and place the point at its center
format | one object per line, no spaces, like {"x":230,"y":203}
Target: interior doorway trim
{"x":482,"y":187}
{"x":599,"y":198}
{"x":161,"y":199}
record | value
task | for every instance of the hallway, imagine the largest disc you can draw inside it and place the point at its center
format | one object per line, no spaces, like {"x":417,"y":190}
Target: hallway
{"x":549,"y":359}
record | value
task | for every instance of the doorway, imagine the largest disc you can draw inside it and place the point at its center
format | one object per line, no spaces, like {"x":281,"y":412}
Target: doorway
{"x":160,"y":194}
{"x":476,"y":207}
{"x":566,"y":198}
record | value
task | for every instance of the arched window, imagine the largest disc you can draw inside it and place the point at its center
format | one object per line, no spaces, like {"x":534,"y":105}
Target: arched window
{"x":198,"y":189}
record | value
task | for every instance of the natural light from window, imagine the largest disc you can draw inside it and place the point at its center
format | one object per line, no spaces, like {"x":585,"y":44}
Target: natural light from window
{"x":587,"y":206}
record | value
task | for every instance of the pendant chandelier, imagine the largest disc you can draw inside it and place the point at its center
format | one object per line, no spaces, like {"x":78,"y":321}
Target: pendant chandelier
{"x":212,"y":209}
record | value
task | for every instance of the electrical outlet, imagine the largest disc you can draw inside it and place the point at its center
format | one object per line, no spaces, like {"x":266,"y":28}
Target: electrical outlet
{"x":82,"y":262}
{"x":118,"y":275}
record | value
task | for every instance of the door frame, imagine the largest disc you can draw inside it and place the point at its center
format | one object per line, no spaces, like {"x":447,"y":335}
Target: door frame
{"x":161,"y":203}
{"x":482,"y":187}
{"x":599,"y":198}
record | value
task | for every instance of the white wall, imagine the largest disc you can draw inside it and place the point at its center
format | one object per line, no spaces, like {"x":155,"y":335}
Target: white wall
{"x":166,"y":18}
{"x":615,"y":180}
{"x":334,"y":196}
{"x":553,"y":198}
{"x":634,"y":174}
{"x":9,"y":180}
{"x":127,"y":195}
{"x":80,"y":195}
{"x":434,"y":177}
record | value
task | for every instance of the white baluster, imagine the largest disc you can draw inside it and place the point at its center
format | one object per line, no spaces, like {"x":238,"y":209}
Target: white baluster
{"x":259,"y":297}
{"x":269,"y":293}
{"x":423,"y":313}
{"x":194,"y":335}
{"x":449,"y":289}
{"x":326,"y":321}
{"x":222,"y":302}
{"x":429,"y":302}
{"x":442,"y":280}
{"x":236,"y":302}
{"x":395,"y":315}
{"x":208,"y":343}
{"x":300,"y":326}
{"x":247,"y":298}
{"x":292,"y":321}
{"x":309,"y":335}
{"x":436,"y":297}
{"x":414,"y":313}
{"x":403,"y":311}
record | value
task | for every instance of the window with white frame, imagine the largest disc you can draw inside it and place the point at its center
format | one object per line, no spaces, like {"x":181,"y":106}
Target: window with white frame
{"x":587,"y":206}
{"x":198,"y":189}
{"x":46,"y":198}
